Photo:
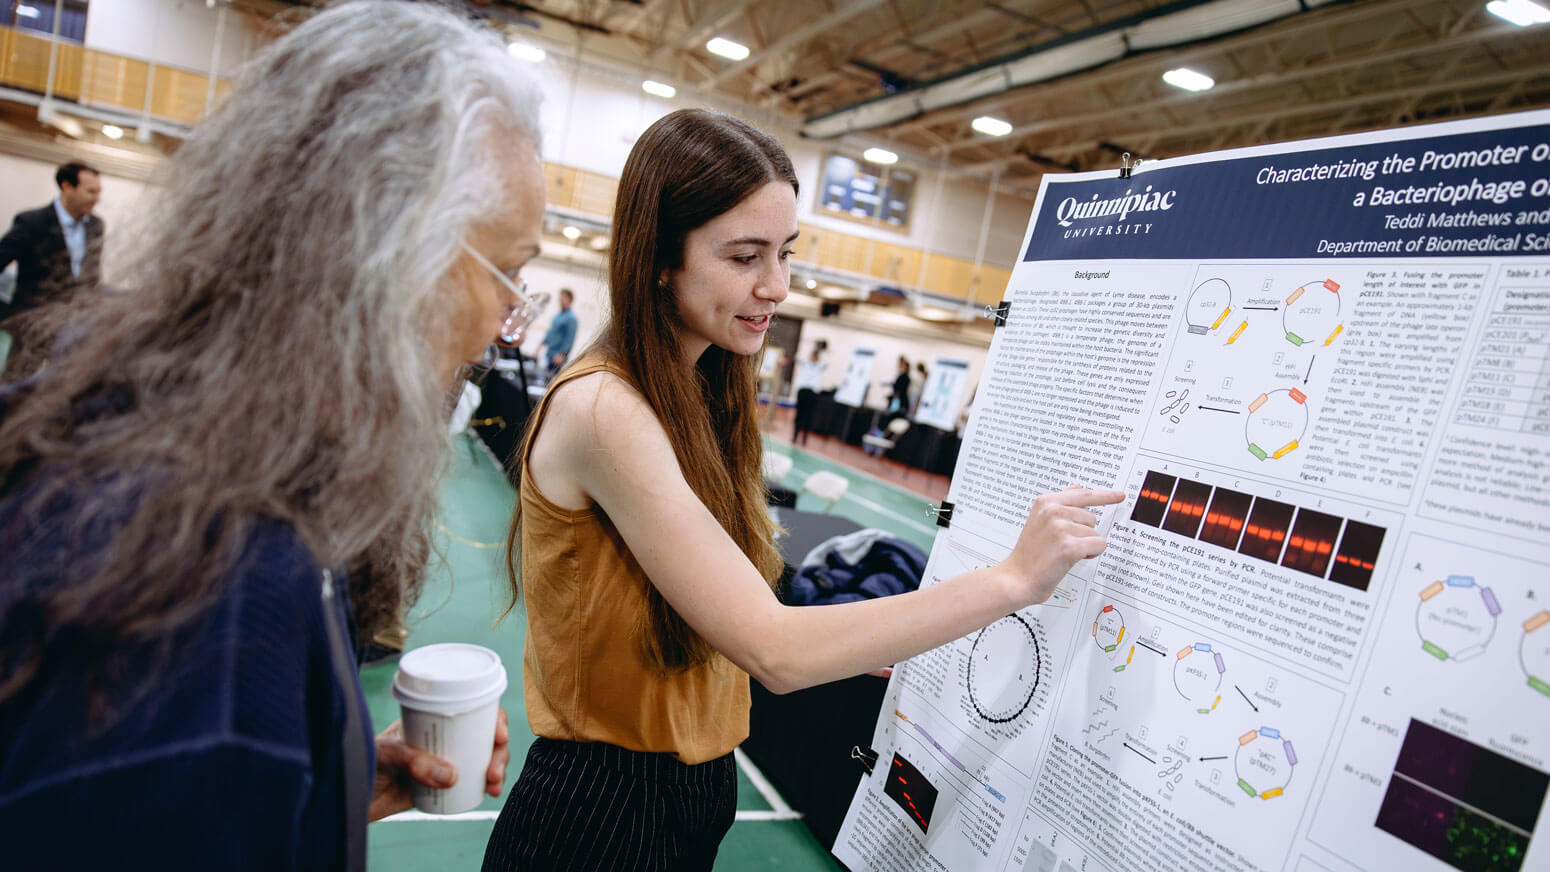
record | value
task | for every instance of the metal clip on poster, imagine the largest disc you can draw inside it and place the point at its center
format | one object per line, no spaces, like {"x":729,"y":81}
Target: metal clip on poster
{"x":943,"y":514}
{"x":867,"y":758}
{"x":998,"y":313}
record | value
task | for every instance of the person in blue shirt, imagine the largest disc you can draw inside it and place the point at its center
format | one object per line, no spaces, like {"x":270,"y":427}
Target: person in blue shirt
{"x":227,"y":475}
{"x":561,"y":335}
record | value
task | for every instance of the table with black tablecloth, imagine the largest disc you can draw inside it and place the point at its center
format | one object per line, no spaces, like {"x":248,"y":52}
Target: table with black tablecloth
{"x":801,"y":741}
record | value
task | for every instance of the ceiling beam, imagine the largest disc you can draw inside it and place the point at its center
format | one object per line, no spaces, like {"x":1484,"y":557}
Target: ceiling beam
{"x":1448,"y":45}
{"x":795,"y":38}
{"x":1154,"y":62}
{"x":895,"y":47}
{"x":1330,"y":106}
{"x":713,"y":22}
{"x":643,"y":13}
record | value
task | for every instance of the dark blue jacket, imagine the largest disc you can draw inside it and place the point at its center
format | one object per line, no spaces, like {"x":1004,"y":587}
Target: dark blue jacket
{"x":233,"y":759}
{"x":890,"y":566}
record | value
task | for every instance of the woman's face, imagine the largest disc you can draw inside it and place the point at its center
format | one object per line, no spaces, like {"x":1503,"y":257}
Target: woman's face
{"x":736,"y":269}
{"x":479,"y":300}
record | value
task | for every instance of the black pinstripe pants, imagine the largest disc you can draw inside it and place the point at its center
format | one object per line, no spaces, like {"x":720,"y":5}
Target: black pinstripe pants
{"x":594,"y":806}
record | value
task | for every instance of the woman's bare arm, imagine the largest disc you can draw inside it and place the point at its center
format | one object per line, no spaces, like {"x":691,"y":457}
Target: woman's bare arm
{"x":605,"y":442}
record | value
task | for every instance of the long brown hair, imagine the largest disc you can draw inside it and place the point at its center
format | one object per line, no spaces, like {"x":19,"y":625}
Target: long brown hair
{"x":277,"y":357}
{"x":686,"y":169}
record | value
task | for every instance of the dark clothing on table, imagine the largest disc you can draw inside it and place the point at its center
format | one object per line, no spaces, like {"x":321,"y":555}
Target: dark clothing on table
{"x":231,"y":760}
{"x":890,"y":566}
{"x":592,"y":805}
{"x":36,"y":242}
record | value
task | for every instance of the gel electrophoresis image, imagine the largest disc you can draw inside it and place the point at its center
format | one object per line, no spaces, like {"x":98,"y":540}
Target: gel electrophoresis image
{"x":911,"y":790}
{"x":1308,"y":541}
{"x":1156,"y":491}
{"x":1226,"y":517}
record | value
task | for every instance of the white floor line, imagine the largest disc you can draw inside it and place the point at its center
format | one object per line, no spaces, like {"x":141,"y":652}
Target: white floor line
{"x":865,"y":473}
{"x":883,"y":510}
{"x":921,"y":526}
{"x":769,"y":815}
{"x":779,"y":810}
{"x":422,"y":816}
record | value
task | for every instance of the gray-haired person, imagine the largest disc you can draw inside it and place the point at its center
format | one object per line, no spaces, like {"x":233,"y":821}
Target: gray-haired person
{"x":184,"y":492}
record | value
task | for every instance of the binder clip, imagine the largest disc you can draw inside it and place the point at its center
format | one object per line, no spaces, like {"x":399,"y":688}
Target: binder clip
{"x":867,"y":758}
{"x":998,"y":313}
{"x":1125,"y":166}
{"x":943,"y":514}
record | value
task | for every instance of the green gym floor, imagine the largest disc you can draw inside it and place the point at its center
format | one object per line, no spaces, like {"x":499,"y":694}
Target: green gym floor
{"x":467,"y":590}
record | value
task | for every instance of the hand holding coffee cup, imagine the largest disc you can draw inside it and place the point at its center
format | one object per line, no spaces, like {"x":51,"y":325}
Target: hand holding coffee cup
{"x":450,"y":698}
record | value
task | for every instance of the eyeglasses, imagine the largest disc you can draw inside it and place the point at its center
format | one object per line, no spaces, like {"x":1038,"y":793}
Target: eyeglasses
{"x":525,"y":308}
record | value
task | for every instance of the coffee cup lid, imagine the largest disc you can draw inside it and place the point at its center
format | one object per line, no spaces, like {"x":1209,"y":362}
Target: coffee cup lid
{"x":448,"y":675}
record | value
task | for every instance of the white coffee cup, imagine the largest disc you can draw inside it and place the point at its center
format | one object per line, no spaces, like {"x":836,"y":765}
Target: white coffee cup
{"x":449,"y":694}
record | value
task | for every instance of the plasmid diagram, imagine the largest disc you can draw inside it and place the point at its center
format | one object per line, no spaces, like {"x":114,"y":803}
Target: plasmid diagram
{"x":1456,"y":618}
{"x":1277,"y":423}
{"x":1312,"y":313}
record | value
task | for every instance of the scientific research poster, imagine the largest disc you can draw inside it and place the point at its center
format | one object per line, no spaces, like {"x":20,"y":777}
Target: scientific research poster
{"x":941,"y":398}
{"x":1319,"y":640}
{"x":858,"y":376}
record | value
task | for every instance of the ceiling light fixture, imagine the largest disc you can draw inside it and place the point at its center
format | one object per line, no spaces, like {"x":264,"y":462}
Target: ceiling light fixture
{"x":524,"y":52}
{"x":991,"y":126}
{"x":811,"y":284}
{"x":726,"y":48}
{"x":880,"y":156}
{"x":571,"y":232}
{"x":112,"y":131}
{"x":658,"y":89}
{"x":1188,"y":79}
{"x":1523,"y":13}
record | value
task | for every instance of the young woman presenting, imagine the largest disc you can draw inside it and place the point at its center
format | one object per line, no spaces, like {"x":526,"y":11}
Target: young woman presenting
{"x":641,"y":548}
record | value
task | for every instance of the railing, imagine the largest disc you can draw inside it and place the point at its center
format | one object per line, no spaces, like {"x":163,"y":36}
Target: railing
{"x":137,"y":87}
{"x":104,"y":80}
{"x":900,"y":265}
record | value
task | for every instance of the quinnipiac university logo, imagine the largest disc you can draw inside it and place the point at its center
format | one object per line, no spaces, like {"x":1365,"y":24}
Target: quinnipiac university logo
{"x":1129,"y":211}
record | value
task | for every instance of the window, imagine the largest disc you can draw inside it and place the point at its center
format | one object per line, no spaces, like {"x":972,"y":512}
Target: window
{"x":38,"y":16}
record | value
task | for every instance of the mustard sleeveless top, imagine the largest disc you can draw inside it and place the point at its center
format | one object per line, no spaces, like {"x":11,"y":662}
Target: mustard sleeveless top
{"x":585,"y":678}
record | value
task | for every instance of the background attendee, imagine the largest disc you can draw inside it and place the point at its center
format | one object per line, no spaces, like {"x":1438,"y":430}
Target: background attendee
{"x":58,"y":253}
{"x":808,"y":374}
{"x":917,"y":386}
{"x":899,"y":396}
{"x":183,"y":493}
{"x":641,"y":547}
{"x":561,"y":334}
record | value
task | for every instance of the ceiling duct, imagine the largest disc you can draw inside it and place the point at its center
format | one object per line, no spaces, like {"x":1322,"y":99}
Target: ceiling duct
{"x":1172,"y":25}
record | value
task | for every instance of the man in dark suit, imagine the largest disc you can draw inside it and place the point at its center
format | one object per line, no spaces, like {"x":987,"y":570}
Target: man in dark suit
{"x":58,"y":253}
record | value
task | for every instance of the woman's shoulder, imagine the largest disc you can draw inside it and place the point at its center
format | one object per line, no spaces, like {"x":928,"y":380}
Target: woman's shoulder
{"x":597,"y":401}
{"x":596,"y":423}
